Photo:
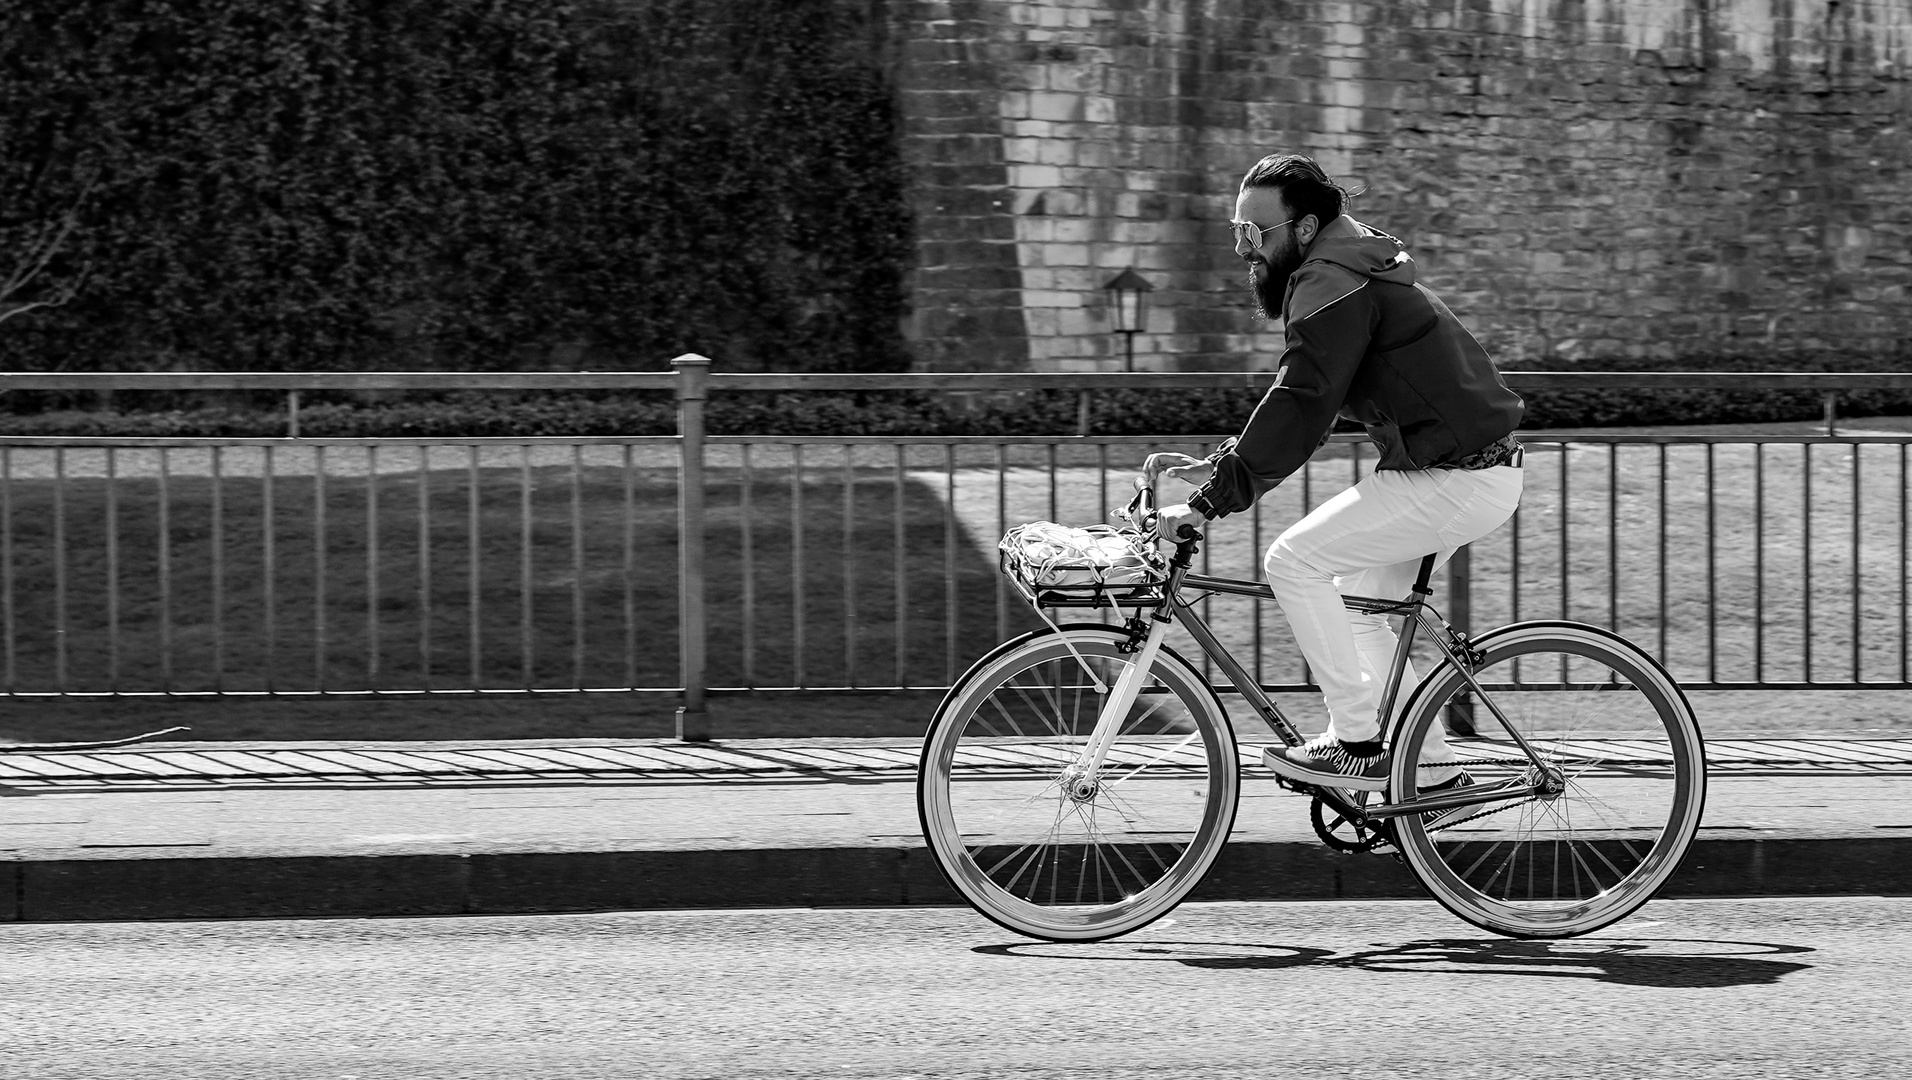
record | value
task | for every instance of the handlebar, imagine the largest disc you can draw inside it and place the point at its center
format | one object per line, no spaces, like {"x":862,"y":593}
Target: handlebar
{"x":1142,"y":513}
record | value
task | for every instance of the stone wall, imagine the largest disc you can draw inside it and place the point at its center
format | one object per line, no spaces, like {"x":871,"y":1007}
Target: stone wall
{"x":1578,"y":178}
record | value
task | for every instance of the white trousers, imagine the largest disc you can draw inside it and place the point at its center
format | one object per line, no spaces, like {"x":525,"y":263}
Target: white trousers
{"x":1369,"y":541}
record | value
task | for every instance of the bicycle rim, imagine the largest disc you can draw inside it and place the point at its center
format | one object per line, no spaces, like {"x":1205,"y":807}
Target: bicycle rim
{"x":1026,"y":853}
{"x":1625,"y":749}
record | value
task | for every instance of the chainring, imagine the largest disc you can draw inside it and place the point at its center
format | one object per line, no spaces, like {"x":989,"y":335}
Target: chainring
{"x":1340,"y":833}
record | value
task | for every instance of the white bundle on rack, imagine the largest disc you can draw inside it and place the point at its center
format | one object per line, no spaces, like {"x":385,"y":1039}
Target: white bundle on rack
{"x":1045,"y":555}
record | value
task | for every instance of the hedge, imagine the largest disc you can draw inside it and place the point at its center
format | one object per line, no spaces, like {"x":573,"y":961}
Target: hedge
{"x":1114,"y":412}
{"x":453,"y":184}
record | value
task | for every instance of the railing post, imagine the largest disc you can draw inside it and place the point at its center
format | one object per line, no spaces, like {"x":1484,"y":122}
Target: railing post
{"x":693,"y":721}
{"x":1460,"y":614}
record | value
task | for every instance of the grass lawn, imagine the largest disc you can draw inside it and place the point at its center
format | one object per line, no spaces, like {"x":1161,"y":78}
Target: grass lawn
{"x":555,"y":605}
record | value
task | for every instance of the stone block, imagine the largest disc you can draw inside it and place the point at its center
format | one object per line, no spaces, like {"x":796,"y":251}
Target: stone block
{"x":1085,"y":281}
{"x":1064,"y":255}
{"x":1046,"y":353}
{"x":1035,"y":176}
{"x":1059,"y":152}
{"x":1035,"y":298}
{"x":1042,"y":322}
{"x":1148,"y":232}
{"x":1023,"y":14}
{"x":1022,"y":151}
{"x":1077,"y":322}
{"x":1081,"y":78}
{"x":1050,"y":105}
{"x":1076,"y":230}
{"x":1065,"y":203}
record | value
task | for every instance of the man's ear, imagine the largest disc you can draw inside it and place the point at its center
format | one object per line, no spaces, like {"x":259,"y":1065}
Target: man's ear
{"x":1305,"y":229}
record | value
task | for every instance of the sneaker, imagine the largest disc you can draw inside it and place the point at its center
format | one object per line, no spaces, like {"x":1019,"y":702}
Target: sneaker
{"x":1459,"y":780}
{"x":1441,"y":818}
{"x":1324,"y":761}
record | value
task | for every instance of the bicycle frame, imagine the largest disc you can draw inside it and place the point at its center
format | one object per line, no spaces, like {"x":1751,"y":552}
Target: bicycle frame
{"x":1416,"y":612}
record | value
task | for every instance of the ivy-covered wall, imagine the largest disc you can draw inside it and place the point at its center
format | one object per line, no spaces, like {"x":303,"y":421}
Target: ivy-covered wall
{"x":366,"y":184}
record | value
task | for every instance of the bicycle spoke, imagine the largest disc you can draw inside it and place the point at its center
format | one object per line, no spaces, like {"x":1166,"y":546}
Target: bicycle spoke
{"x":1191,"y":738}
{"x":1131,"y":727}
{"x":1082,"y":874}
{"x":1140,"y":879}
{"x":1055,"y":725}
{"x":1005,"y":859}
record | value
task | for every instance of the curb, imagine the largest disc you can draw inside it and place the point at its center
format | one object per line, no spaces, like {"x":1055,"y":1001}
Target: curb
{"x":553,"y":883}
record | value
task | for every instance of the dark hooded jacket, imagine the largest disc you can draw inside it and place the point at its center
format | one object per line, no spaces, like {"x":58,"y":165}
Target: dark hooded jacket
{"x":1364,"y":341}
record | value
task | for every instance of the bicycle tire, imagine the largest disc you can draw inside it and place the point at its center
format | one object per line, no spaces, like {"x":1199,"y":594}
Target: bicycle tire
{"x":993,"y":810}
{"x":1630,"y":760}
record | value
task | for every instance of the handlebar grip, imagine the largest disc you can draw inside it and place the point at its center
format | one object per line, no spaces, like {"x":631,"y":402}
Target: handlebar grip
{"x":1143,"y":505}
{"x":1186,"y":532}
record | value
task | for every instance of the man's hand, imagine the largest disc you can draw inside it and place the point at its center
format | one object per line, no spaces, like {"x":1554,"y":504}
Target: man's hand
{"x":1172,"y":518}
{"x":1190,"y":470}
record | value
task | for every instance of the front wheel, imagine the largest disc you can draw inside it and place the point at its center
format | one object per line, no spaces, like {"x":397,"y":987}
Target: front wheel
{"x":1058,"y":860}
{"x":1604,"y":819}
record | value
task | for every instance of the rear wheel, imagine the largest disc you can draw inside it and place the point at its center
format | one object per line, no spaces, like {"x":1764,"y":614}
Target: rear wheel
{"x":1621,"y":782}
{"x":1076,"y":865}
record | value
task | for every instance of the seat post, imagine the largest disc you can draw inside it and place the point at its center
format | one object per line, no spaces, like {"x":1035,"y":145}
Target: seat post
{"x":1427,"y":571}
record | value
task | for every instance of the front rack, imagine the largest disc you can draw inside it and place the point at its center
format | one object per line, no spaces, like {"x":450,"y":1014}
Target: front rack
{"x":1087,"y":594}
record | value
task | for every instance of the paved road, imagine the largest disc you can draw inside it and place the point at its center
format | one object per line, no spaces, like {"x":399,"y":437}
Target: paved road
{"x":1773,"y":988}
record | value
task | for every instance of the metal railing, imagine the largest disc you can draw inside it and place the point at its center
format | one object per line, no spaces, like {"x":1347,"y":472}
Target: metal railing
{"x":693,"y":564}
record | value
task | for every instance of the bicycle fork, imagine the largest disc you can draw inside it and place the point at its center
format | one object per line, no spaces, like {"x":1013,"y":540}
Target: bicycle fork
{"x":1082,"y":780}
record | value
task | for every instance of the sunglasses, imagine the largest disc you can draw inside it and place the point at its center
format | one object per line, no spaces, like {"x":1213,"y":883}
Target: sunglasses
{"x":1252,"y":232}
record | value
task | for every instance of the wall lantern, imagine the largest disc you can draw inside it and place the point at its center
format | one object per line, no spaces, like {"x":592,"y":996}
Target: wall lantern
{"x":1129,"y":307}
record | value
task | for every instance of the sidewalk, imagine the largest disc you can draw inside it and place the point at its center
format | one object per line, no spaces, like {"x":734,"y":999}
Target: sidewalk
{"x":237,"y":830}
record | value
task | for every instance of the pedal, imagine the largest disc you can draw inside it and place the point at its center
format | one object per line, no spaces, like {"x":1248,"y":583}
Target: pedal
{"x":1295,"y":786}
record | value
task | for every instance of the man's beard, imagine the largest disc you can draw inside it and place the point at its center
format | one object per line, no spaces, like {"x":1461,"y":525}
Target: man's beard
{"x":1268,"y":278}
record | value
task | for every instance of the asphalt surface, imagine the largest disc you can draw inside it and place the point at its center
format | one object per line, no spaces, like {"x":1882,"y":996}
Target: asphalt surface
{"x":1735,"y":988}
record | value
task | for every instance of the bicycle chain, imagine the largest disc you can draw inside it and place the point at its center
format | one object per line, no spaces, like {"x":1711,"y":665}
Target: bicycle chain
{"x":1380,"y":838}
{"x":1488,"y":813}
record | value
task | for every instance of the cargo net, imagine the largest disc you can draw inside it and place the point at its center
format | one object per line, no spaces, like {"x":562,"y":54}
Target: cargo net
{"x":1091,"y":566}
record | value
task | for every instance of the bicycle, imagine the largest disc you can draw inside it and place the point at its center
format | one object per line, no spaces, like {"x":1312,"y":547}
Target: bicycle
{"x":1079,"y":781}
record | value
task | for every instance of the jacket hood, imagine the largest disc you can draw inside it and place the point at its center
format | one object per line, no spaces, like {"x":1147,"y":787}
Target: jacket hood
{"x":1373,"y":254}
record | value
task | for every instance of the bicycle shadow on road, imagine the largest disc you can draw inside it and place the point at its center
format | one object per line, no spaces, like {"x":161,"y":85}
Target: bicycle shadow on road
{"x":1663,"y":962}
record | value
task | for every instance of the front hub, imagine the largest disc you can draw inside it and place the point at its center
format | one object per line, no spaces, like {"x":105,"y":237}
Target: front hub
{"x":1080,"y":788}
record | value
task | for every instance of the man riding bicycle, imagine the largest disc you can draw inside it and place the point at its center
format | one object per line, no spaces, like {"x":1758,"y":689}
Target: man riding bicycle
{"x":1364,"y":341}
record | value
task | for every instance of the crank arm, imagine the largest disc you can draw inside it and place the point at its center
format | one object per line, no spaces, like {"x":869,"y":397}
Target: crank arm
{"x":1339,"y":798}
